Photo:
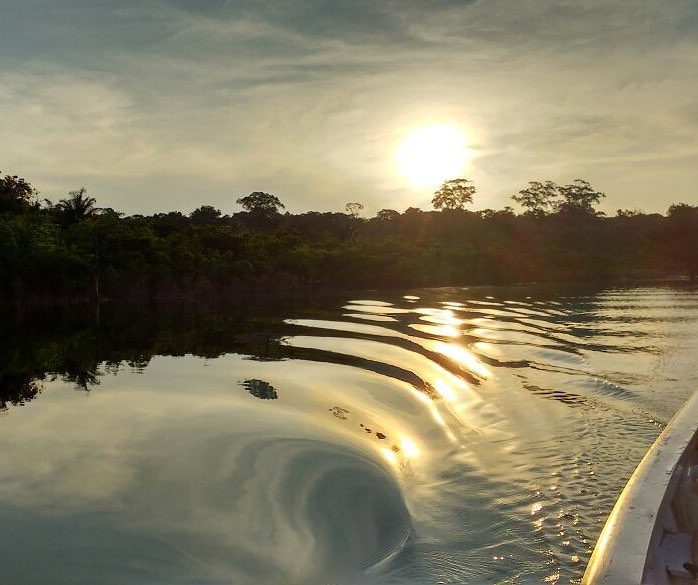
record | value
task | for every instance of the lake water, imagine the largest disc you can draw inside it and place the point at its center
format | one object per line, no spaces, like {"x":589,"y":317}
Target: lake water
{"x":425,"y":437}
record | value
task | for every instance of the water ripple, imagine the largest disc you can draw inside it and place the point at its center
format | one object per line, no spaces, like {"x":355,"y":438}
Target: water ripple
{"x":433,"y":436}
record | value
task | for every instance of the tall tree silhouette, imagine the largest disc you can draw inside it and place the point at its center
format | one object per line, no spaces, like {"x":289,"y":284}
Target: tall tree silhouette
{"x":15,"y":193}
{"x":538,"y":197}
{"x":261,"y":203}
{"x":454,"y":194}
{"x":77,"y":207}
{"x":579,"y":196}
{"x":354,"y":208}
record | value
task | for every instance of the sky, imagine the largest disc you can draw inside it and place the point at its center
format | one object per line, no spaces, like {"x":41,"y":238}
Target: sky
{"x":157,"y":105}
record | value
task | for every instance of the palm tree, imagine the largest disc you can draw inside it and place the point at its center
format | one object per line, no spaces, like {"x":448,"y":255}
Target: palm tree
{"x":77,"y":207}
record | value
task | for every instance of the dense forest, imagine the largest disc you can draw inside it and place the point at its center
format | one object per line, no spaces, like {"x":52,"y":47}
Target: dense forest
{"x":75,"y":251}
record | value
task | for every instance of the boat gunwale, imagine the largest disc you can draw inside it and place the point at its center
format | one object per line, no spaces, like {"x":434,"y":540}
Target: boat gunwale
{"x":623,"y":552}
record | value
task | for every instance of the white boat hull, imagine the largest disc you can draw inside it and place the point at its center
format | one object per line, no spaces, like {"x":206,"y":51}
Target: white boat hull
{"x":651,"y":534}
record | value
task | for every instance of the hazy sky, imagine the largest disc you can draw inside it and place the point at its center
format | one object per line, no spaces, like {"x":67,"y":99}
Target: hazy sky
{"x":169,"y":104}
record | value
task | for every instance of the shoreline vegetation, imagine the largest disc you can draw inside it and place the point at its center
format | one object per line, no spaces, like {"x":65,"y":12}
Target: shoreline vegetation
{"x":74,"y":252}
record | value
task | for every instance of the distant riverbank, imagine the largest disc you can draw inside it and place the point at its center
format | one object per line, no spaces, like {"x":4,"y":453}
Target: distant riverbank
{"x":76,"y":252}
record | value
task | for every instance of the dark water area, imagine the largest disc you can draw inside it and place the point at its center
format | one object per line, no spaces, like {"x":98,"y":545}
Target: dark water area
{"x":432,"y":436}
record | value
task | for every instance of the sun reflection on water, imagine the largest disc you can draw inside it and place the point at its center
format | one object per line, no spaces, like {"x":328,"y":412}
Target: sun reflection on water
{"x":390,"y":455}
{"x":460,"y":354}
{"x":409,"y":447}
{"x":471,"y":423}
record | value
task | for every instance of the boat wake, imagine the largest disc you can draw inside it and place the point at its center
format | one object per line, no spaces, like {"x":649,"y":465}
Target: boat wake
{"x":445,"y":436}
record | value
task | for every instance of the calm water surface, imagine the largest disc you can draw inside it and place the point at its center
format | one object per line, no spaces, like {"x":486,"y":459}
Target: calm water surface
{"x":435,"y":436}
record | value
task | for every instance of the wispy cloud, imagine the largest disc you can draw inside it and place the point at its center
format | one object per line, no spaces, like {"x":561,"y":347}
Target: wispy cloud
{"x":174,"y":103}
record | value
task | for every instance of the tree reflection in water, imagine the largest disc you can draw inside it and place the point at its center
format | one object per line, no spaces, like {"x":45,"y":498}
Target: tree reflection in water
{"x":73,"y":347}
{"x":17,"y":388}
{"x":261,"y":389}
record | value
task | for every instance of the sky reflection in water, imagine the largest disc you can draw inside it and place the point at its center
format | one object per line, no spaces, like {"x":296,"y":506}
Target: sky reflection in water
{"x":474,"y":436}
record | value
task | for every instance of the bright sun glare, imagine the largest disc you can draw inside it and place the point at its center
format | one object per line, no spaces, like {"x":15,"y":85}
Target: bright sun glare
{"x":433,"y":154}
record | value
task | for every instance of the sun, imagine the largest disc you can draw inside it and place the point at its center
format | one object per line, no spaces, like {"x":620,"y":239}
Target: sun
{"x":433,"y":154}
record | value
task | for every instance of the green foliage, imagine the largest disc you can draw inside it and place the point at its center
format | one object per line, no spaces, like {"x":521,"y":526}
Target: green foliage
{"x":15,"y":194}
{"x":454,"y":194}
{"x":206,"y":214}
{"x":354,"y":208}
{"x":538,"y":198}
{"x":75,"y":251}
{"x":76,"y":207}
{"x":387,"y":215}
{"x":682,"y":236}
{"x":579,"y":197}
{"x":261,"y":203}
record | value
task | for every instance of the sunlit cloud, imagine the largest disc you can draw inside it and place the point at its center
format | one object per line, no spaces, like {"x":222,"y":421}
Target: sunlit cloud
{"x":198,"y":102}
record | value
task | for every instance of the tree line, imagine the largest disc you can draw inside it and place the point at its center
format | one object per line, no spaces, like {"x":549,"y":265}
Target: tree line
{"x":74,"y":250}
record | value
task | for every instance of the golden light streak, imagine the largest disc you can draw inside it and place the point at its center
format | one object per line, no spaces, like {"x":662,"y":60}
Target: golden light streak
{"x":462,"y":356}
